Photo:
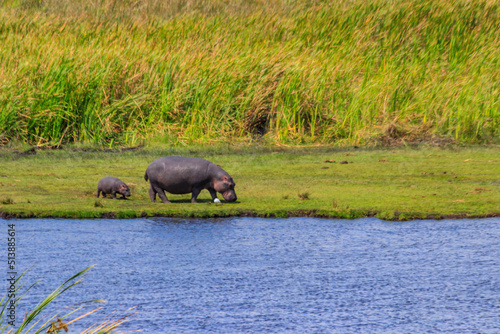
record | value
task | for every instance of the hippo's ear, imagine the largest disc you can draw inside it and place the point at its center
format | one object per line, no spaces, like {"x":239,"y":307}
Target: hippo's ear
{"x":225,"y":178}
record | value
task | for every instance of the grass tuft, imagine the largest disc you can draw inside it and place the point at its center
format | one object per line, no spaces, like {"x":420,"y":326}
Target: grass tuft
{"x":8,"y":201}
{"x":303,"y":196}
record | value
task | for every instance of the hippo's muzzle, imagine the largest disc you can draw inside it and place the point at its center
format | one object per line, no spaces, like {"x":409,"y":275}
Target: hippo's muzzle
{"x":229,"y":196}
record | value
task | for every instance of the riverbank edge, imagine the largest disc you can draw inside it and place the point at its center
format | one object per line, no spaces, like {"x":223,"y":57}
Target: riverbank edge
{"x":351,"y":214}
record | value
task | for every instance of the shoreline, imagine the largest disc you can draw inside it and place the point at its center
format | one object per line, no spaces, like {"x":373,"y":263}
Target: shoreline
{"x":309,"y":214}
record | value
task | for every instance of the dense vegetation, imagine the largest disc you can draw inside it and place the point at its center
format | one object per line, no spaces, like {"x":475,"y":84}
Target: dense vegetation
{"x":283,"y":71}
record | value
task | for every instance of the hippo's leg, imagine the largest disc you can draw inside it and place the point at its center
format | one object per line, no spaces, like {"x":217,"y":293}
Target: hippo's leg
{"x":160,"y":193}
{"x":213,"y":193}
{"x":114,"y":194}
{"x":194,"y":195}
{"x":152,"y":194}
{"x":98,"y":191}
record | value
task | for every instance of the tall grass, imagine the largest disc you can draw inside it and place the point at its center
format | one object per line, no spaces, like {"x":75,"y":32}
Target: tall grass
{"x":348,"y":71}
{"x":35,"y":321}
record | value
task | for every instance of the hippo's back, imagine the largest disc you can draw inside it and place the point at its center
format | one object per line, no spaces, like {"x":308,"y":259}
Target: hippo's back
{"x":109,"y":180}
{"x":178,"y":174}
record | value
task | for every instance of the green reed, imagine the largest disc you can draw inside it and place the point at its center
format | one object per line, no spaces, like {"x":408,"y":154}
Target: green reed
{"x":287,"y":72}
{"x":38,"y":321}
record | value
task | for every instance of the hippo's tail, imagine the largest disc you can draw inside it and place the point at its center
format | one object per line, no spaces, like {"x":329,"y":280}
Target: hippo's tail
{"x":146,"y":175}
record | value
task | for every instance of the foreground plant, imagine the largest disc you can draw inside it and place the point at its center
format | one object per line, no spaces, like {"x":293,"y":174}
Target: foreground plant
{"x":34,"y":322}
{"x":285,"y":72}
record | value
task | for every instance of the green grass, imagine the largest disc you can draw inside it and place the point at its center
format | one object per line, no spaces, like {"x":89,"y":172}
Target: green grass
{"x":285,"y":72}
{"x":425,"y":182}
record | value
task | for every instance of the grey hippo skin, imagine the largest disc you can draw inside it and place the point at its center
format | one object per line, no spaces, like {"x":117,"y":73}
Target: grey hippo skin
{"x":183,"y":175}
{"x":112,"y":185}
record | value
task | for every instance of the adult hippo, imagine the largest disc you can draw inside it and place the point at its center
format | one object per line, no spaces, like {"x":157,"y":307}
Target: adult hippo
{"x":183,"y":175}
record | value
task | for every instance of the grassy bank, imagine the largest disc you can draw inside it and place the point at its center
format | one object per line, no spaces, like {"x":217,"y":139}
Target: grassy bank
{"x":343,"y":72}
{"x":390,"y":184}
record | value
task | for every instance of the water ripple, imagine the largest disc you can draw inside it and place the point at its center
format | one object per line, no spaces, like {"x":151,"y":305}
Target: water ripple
{"x":251,"y":275}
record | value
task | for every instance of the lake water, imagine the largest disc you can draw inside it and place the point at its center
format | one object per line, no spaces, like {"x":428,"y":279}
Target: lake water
{"x":250,"y":275}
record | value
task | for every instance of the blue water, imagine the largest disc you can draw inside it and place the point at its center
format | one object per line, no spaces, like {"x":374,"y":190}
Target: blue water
{"x":250,"y":275}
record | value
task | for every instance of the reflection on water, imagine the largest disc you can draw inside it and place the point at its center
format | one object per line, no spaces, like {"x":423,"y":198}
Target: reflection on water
{"x":274,"y":275}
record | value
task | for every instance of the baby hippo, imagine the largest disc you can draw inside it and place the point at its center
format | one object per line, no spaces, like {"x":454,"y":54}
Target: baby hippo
{"x":183,"y":175}
{"x":112,"y":185}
